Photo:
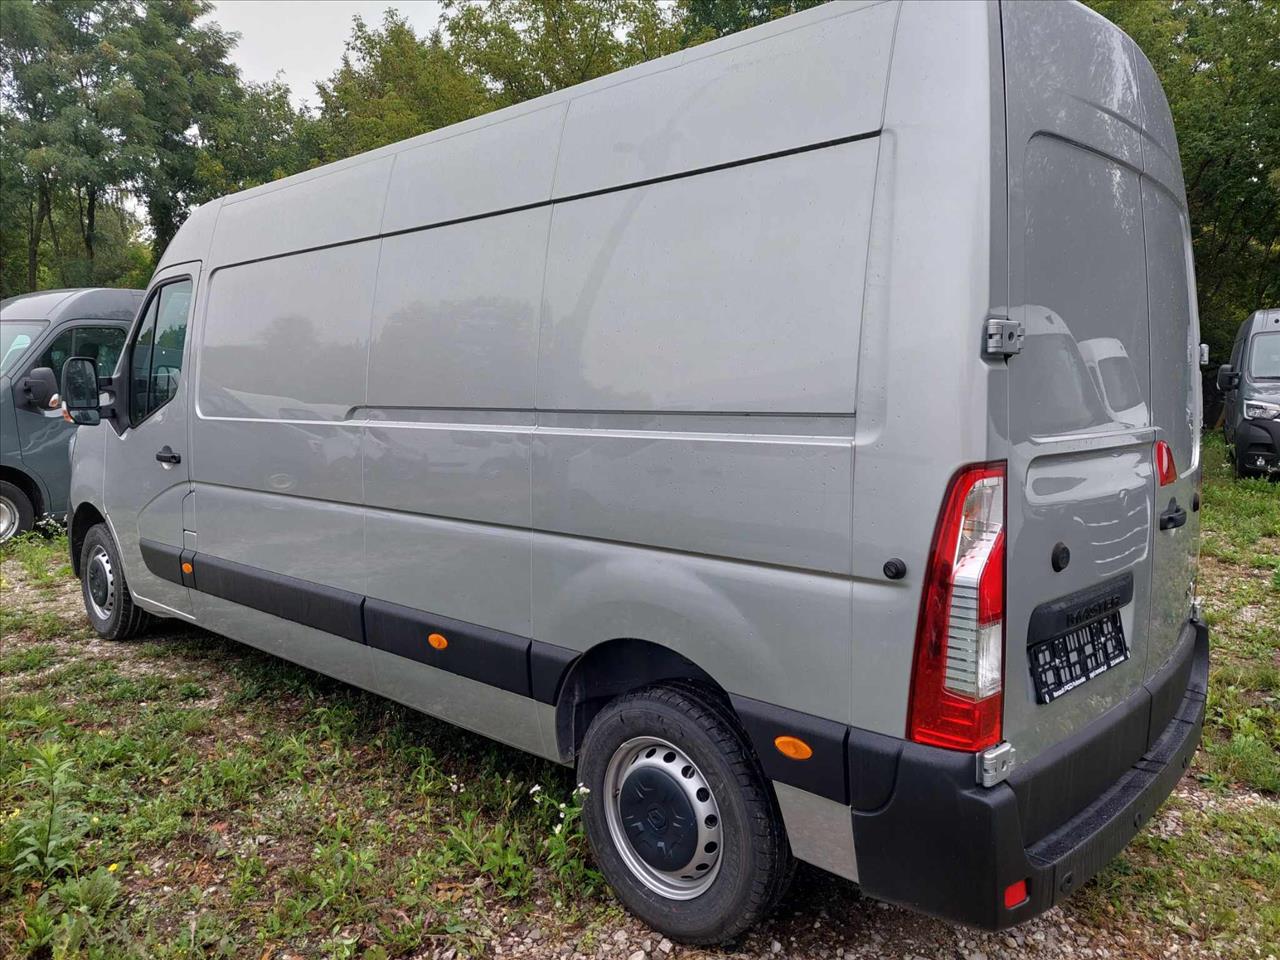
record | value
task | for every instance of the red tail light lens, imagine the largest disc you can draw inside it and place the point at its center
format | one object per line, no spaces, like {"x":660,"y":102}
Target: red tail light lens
{"x":1165,"y":469}
{"x":957,"y":684}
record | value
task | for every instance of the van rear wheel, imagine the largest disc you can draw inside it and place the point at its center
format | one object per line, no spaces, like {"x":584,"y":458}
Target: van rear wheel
{"x":106,"y":595}
{"x":680,"y":817}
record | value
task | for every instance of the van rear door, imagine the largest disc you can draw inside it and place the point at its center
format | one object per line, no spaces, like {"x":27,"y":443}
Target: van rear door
{"x":1176,"y":405}
{"x":1090,"y":393}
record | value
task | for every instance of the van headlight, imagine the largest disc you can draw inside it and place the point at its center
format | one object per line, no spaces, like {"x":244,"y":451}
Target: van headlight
{"x":1257,"y":410}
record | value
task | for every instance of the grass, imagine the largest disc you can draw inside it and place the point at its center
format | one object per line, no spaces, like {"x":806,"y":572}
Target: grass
{"x":185,"y":796}
{"x":1212,"y":872}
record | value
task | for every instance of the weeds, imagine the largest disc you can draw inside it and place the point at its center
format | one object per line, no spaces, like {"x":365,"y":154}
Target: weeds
{"x":251,"y":804}
{"x":45,"y":836}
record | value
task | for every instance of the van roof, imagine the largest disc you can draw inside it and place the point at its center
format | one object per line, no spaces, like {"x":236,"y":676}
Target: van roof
{"x":552,"y":146}
{"x":98,"y":303}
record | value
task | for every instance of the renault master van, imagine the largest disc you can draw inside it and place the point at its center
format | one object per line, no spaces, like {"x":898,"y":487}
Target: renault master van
{"x":726,"y":428}
{"x":38,"y":333}
{"x":1250,"y":386}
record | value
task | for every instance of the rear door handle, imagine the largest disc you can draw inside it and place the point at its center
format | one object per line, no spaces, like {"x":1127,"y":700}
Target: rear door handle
{"x":1174,"y":516}
{"x":166,"y":455}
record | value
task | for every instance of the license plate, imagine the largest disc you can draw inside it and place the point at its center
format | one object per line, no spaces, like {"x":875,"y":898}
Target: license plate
{"x":1064,"y":662}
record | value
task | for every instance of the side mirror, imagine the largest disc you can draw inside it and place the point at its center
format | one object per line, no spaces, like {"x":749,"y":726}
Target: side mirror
{"x":1228,"y":379}
{"x":80,"y":391}
{"x":40,"y":386}
{"x":1204,"y":354}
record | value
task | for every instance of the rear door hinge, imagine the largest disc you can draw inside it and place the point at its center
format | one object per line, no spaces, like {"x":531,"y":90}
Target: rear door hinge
{"x":1003,"y":337}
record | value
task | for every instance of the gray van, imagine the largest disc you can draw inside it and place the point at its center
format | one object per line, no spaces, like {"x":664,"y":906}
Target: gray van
{"x":38,"y":332}
{"x":726,"y":428}
{"x":1250,"y":386}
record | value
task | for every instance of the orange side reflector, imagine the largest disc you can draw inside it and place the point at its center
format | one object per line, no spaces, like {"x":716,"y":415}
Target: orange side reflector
{"x":186,"y":568}
{"x":438,"y":641}
{"x":793,"y":747}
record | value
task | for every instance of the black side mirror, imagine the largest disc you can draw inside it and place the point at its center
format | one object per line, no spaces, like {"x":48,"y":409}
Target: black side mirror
{"x":1228,"y":379}
{"x":80,"y":391}
{"x":40,"y":387}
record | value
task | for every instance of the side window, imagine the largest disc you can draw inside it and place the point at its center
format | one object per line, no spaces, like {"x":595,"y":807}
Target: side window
{"x":1235,"y":353}
{"x":57,"y":352}
{"x":155,"y":366}
{"x":100,"y":344}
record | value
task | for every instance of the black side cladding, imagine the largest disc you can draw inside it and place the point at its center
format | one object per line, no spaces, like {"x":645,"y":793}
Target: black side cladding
{"x":479,"y":653}
{"x":548,"y":664}
{"x":824,"y":773}
{"x":162,"y":560}
{"x":311,"y":604}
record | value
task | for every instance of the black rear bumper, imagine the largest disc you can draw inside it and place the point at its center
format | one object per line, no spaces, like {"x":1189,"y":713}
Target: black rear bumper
{"x":939,"y":843}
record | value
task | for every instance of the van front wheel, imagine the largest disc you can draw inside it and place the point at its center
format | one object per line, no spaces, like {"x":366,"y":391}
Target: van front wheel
{"x":17,"y":515}
{"x":107,"y":601}
{"x":681,"y":819}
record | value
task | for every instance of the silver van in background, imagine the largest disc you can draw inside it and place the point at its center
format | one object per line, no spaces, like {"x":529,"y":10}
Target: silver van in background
{"x":1250,"y":386}
{"x":798,"y":434}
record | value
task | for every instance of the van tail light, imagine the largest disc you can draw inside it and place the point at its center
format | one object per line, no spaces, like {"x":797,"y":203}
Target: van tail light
{"x":1165,"y":468}
{"x":957,"y":683}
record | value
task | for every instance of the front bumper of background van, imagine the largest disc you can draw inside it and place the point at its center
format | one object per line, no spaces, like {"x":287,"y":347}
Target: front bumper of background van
{"x":936,"y":842}
{"x":1260,"y":442}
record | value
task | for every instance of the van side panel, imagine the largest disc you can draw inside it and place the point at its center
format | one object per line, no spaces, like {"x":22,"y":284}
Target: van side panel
{"x":324,"y":207}
{"x":276,"y":463}
{"x":922,"y":386}
{"x":449,"y":420}
{"x":789,"y":84}
{"x":506,"y":163}
{"x":735,"y":291}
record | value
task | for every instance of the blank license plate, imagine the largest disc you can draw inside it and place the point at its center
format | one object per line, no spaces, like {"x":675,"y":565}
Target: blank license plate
{"x":1063,"y":663}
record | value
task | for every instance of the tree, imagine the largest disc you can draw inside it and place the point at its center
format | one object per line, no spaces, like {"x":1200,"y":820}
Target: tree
{"x":255,"y":137}
{"x":182,"y":67}
{"x":392,"y":85}
{"x":70,"y":115}
{"x":526,"y":48}
{"x":708,"y":19}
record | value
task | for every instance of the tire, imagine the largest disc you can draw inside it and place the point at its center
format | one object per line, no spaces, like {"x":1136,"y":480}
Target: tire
{"x":664,"y":744}
{"x":105,"y":592}
{"x":17,"y":513}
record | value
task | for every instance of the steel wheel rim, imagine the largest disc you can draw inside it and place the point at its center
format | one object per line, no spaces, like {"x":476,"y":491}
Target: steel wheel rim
{"x":647,"y":757}
{"x":8,"y":518}
{"x":100,"y":583}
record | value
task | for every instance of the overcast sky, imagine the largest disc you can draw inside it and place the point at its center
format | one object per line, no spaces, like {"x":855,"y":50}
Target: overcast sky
{"x":304,"y":40}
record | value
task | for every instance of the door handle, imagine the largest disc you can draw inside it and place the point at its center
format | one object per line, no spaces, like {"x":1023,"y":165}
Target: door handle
{"x":1173,"y":517}
{"x":166,"y":455}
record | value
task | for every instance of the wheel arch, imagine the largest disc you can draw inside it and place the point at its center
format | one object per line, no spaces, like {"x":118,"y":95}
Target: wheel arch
{"x":28,"y":484}
{"x":85,"y":517}
{"x":609,"y":670}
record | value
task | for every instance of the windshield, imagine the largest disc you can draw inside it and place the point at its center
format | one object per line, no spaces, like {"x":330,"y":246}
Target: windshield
{"x":15,"y":337}
{"x":1264,"y":361}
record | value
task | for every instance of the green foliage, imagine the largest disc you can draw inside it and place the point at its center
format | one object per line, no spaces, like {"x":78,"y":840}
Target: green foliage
{"x":392,"y":85}
{"x":44,"y":837}
{"x":708,"y":19}
{"x":526,"y":48}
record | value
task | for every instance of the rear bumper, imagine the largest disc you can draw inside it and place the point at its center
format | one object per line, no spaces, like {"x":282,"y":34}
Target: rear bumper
{"x":943,"y":845}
